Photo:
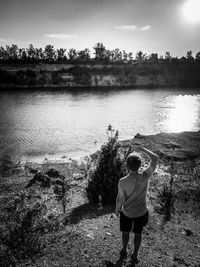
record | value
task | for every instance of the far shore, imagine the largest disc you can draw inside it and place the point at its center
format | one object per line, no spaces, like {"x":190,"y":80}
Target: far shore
{"x":95,"y":77}
{"x":86,"y":88}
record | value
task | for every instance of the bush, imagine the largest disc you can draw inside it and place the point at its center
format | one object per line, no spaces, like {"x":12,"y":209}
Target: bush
{"x":166,"y":197}
{"x":52,"y":178}
{"x":166,"y":201}
{"x":103,"y":181}
{"x":19,"y":234}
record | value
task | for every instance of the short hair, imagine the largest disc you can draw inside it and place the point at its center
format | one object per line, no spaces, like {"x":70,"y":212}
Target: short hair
{"x":133,"y":162}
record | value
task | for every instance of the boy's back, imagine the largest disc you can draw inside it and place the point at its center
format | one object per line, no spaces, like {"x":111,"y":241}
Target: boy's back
{"x":134,"y":187}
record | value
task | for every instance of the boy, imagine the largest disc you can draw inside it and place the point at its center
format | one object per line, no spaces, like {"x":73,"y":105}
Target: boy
{"x":131,"y":200}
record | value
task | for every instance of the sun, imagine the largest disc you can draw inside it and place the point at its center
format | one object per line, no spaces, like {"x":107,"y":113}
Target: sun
{"x":191,"y":11}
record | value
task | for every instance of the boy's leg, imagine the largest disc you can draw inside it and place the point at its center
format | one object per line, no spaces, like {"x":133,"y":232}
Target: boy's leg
{"x":139,"y":223}
{"x":125,"y":227}
{"x":125,"y":240}
{"x":137,"y":244}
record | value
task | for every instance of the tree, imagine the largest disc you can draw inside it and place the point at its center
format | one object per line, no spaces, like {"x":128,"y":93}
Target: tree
{"x":125,"y":56}
{"x":102,"y":185}
{"x":61,"y":55}
{"x":39,"y":54}
{"x":140,"y":56}
{"x":111,"y":55}
{"x":84,"y":55}
{"x":197,"y":56}
{"x":3,"y":54}
{"x":72,"y":54}
{"x":31,"y":52}
{"x":183,"y":59}
{"x":189,"y":55}
{"x":168,"y":56}
{"x":23,"y":55}
{"x":12,"y":52}
{"x":117,"y":55}
{"x":153,"y":58}
{"x":49,"y":53}
{"x":130,"y":56}
{"x":100,"y":52}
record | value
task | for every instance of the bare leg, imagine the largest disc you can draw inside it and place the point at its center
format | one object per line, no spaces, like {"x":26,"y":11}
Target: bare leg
{"x":125,"y":240}
{"x":137,"y":244}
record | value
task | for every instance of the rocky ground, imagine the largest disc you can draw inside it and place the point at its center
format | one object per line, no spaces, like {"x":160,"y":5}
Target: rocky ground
{"x":89,"y":235}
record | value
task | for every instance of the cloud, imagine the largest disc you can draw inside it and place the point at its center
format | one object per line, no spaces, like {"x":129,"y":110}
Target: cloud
{"x":132,"y":28}
{"x":126,"y":27}
{"x":61,"y":36}
{"x":145,"y":28}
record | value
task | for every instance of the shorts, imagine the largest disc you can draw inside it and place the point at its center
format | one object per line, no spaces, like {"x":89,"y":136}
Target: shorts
{"x":133,"y":224}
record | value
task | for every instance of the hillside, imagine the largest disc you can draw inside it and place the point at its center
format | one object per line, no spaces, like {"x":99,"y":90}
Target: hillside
{"x":89,"y":236}
{"x":137,"y":75}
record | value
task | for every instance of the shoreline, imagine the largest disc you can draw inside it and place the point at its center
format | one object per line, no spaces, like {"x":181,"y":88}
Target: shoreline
{"x":96,"y":88}
{"x":181,"y":147}
{"x":178,"y":146}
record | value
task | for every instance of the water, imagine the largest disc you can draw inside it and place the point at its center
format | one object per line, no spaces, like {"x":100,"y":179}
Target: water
{"x":37,"y":125}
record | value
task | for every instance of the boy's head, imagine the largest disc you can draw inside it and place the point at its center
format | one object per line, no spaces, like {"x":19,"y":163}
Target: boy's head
{"x":133,"y":162}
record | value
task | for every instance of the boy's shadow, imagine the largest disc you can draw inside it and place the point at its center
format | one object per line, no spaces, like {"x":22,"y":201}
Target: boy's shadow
{"x":119,"y":263}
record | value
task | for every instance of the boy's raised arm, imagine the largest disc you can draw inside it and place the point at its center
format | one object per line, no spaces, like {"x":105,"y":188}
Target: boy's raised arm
{"x":153,"y":157}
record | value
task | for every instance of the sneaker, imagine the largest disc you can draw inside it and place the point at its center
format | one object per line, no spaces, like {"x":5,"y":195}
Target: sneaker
{"x":123,"y":253}
{"x":134,"y":260}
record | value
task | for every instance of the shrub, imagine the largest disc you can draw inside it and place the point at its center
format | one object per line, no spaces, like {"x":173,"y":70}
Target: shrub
{"x":103,"y":180}
{"x":166,"y":196}
{"x":61,"y":188}
{"x":20,"y":237}
{"x":52,"y":178}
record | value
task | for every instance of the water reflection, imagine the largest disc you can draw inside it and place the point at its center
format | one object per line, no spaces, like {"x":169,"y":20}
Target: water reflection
{"x":33,"y":124}
{"x":182,"y":113}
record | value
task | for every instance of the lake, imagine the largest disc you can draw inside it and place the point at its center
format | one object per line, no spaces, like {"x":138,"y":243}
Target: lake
{"x":58,"y":125}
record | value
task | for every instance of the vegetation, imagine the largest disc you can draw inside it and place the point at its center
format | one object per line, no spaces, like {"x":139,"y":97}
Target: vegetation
{"x":21,"y":229}
{"x":103,"y":180}
{"x":52,"y":178}
{"x":26,"y":217}
{"x":37,"y":67}
{"x":166,"y":197}
{"x":12,"y":54}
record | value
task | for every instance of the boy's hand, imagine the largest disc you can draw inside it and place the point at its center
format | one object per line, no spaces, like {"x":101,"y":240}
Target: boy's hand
{"x":138,"y":149}
{"x":117,"y":213}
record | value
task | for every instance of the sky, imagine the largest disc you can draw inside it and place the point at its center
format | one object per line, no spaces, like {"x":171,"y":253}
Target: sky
{"x":152,"y":26}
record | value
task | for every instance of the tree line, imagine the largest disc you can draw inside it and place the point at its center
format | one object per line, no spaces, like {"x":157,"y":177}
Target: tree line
{"x":31,"y":55}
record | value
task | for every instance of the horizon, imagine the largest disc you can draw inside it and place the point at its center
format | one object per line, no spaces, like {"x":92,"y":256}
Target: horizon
{"x":149,"y":26}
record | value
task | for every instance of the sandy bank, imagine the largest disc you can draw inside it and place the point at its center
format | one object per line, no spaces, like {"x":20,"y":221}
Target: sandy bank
{"x":180,"y":146}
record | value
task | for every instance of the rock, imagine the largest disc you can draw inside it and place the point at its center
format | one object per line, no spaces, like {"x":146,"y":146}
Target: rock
{"x":108,"y":234}
{"x":91,"y":236}
{"x":188,"y":232}
{"x":52,"y":173}
{"x":138,"y":135}
{"x":44,"y":180}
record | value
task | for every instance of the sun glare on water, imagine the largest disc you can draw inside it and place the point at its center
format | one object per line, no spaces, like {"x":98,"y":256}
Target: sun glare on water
{"x":191,"y":11}
{"x":183,"y":114}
